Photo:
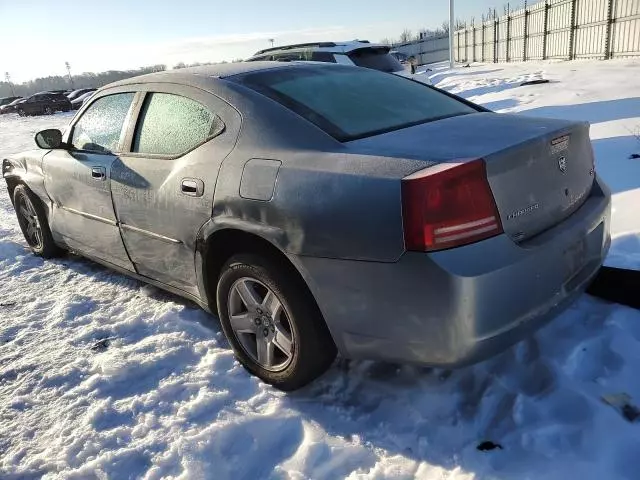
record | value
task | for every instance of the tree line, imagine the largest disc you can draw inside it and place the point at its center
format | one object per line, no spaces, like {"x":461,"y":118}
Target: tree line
{"x":83,"y":80}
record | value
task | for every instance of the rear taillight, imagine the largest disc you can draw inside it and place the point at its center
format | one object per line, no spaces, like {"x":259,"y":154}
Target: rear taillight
{"x":447,"y":206}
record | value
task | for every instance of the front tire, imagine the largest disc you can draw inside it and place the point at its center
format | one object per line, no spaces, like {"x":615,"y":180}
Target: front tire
{"x":33,"y":223}
{"x":272,"y":322}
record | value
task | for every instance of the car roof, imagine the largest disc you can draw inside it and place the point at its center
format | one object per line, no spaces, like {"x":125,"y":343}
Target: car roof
{"x":195,"y":75}
{"x":332,"y":47}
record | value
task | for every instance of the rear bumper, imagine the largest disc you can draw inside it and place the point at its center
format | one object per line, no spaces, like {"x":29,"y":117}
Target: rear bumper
{"x":460,"y":306}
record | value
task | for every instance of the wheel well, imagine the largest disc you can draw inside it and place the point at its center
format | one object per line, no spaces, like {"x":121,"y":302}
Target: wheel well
{"x":221,"y":246}
{"x":12,"y":183}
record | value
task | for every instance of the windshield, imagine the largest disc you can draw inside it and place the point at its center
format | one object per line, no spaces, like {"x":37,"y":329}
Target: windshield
{"x":376,"y":58}
{"x":350,"y":103}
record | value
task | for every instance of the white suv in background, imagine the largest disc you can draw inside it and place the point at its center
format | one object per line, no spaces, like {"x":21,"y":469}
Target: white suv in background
{"x":358,"y":52}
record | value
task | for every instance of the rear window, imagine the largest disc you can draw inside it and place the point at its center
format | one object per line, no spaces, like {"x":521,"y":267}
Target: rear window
{"x":350,"y":103}
{"x":376,"y":58}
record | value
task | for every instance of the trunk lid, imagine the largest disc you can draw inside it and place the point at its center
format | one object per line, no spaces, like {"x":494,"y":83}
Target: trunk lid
{"x":540,"y":170}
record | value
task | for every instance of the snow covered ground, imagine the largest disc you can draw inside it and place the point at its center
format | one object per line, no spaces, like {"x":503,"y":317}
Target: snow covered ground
{"x":162,"y":396}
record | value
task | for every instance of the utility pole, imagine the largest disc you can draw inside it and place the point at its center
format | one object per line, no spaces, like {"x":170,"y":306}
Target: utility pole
{"x":272,"y":41}
{"x":66,"y":64}
{"x":452,"y":58}
{"x":7,"y":77}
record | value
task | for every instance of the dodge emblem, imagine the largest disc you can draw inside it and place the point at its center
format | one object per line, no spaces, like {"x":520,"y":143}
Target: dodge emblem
{"x":562,"y":164}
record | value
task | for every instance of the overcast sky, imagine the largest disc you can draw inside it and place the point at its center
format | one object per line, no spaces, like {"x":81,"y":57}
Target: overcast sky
{"x":38,"y":36}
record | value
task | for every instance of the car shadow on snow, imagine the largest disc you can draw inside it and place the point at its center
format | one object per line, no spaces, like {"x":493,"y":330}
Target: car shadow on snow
{"x":440,"y":76}
{"x":504,"y":104}
{"x":594,"y":112}
{"x":490,"y":86}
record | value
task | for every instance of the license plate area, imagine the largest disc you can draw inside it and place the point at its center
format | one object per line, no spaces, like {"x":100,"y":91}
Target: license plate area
{"x":575,"y":257}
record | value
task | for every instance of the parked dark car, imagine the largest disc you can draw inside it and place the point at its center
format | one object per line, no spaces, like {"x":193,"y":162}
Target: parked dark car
{"x":322,"y":208}
{"x":11,"y":107}
{"x":7,"y":100}
{"x":80,"y":91}
{"x":77,"y":102}
{"x":44,"y":103}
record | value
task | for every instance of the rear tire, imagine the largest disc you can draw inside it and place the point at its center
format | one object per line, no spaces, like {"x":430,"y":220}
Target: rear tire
{"x":33,"y":223}
{"x":22,"y":113}
{"x":279,"y":336}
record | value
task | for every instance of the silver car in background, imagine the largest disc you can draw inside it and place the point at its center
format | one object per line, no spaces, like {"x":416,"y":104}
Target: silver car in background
{"x":359,"y":53}
{"x":323,"y":208}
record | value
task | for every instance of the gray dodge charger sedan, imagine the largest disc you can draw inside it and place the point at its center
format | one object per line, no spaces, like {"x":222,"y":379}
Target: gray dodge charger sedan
{"x":321,"y":208}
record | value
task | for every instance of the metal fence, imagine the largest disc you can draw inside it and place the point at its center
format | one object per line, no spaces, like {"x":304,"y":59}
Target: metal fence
{"x":564,"y":29}
{"x":428,"y":50}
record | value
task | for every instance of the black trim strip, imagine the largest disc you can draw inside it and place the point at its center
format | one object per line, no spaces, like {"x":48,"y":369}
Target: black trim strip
{"x":157,"y":236}
{"x":90,"y":216}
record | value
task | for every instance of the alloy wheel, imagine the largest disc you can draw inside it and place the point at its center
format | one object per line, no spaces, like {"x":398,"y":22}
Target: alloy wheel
{"x":261,"y":324}
{"x":29,"y":221}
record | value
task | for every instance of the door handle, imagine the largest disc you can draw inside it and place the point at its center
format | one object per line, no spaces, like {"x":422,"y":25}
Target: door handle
{"x":193,"y":187}
{"x":98,"y":173}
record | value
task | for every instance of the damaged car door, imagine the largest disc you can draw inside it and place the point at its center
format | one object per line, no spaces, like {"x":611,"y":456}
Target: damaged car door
{"x":78,"y":181}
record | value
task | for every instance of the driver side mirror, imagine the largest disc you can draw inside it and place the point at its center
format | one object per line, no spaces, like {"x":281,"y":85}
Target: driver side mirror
{"x":49,"y":139}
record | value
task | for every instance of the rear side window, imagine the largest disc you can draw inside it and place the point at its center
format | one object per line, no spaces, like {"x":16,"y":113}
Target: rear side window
{"x":101,"y":124}
{"x":260,"y":58}
{"x":173,"y":125}
{"x":326,"y":57}
{"x":303,"y":55}
{"x":350,"y":103}
{"x":376,"y":58}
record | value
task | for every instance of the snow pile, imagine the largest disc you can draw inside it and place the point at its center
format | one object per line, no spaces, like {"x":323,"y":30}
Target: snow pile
{"x":103,"y":377}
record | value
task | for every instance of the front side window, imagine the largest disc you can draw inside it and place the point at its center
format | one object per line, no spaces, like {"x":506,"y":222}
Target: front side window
{"x":350,"y":103}
{"x":100,"y":126}
{"x":172,"y":125}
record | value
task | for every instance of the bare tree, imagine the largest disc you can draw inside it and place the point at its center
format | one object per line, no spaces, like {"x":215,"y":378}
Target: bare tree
{"x":386,"y":41}
{"x":405,"y":36}
{"x":460,"y":24}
